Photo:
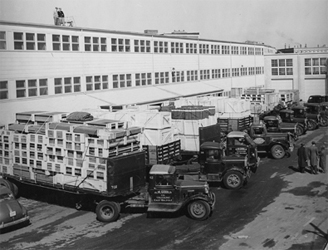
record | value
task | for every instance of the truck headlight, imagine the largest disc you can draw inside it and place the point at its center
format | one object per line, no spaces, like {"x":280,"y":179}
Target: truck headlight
{"x":207,"y":189}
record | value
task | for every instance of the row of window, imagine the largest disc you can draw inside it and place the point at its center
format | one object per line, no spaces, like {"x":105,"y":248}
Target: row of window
{"x":40,"y":87}
{"x":312,"y":66}
{"x":37,"y":41}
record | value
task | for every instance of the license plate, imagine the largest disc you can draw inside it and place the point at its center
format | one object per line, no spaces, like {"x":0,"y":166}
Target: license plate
{"x":12,"y":213}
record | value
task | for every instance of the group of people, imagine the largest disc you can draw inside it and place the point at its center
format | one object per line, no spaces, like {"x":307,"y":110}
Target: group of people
{"x":58,"y":16}
{"x":312,"y":157}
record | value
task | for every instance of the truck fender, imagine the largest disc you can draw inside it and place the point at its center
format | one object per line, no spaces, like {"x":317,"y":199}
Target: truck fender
{"x":199,"y":197}
{"x":284,"y":145}
{"x":244,"y":173}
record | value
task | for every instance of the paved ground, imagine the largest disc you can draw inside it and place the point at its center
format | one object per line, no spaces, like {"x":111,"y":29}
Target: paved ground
{"x":280,"y":208}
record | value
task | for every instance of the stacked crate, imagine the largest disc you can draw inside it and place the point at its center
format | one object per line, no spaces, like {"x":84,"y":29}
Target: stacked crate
{"x":186,"y":122}
{"x":64,"y":153}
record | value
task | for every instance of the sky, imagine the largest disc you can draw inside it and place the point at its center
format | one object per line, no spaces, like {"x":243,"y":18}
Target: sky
{"x":278,"y":23}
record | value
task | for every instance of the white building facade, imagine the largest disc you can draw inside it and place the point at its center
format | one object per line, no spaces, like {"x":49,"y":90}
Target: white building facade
{"x":302,"y":69}
{"x":56,"y":68}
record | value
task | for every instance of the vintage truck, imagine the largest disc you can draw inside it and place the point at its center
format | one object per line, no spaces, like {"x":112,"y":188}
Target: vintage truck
{"x":126,"y":187}
{"x":98,"y":167}
{"x":317,"y":112}
{"x":276,"y":144}
{"x":274,"y":124}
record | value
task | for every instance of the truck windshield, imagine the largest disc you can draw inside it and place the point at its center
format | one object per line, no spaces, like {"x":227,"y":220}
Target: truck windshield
{"x":163,"y":180}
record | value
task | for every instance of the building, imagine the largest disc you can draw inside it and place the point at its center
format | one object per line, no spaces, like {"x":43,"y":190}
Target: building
{"x":303,"y":69}
{"x":58,"y":68}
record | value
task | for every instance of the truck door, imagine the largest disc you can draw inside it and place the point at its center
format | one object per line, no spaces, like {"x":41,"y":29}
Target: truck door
{"x":163,"y":190}
{"x":213,"y":161}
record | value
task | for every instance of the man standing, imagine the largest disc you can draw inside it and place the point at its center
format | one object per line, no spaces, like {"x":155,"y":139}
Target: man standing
{"x":313,"y":150}
{"x":56,"y":16}
{"x":322,"y":159}
{"x":302,"y":157}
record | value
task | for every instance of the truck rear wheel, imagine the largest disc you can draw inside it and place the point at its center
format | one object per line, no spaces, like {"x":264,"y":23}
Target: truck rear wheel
{"x":312,"y":125}
{"x":107,"y":211}
{"x":199,"y":210}
{"x":299,"y":130}
{"x":233,"y":180}
{"x":278,"y":152}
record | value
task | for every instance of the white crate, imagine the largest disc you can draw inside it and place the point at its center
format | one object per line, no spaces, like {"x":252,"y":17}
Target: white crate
{"x":234,"y":115}
{"x":189,"y":142}
{"x":21,"y":138}
{"x":75,"y":137}
{"x":156,"y":136}
{"x":152,"y":120}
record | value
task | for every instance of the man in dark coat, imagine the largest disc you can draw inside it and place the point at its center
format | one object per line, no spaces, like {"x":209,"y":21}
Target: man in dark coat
{"x":302,"y":157}
{"x":322,"y":159}
{"x":314,"y":154}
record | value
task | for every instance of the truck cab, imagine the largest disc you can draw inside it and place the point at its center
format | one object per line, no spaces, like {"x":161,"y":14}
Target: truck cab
{"x":169,"y":192}
{"x":232,"y":163}
{"x":317,"y":112}
{"x":277,"y":144}
{"x":274,"y":124}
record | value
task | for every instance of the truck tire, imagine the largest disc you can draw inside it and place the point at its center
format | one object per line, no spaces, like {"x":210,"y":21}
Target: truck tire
{"x":11,"y":186}
{"x":278,"y":152}
{"x":312,"y":125}
{"x":107,"y":211}
{"x":199,"y":210}
{"x":299,"y":130}
{"x":324,"y":122}
{"x":233,"y":180}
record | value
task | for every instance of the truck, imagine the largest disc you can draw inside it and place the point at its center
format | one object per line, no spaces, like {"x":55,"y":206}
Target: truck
{"x":317,"y":112}
{"x":106,"y":174}
{"x":274,"y":124}
{"x":275,"y":143}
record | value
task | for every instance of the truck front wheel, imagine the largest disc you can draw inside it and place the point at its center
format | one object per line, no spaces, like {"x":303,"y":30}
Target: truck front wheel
{"x":199,"y":210}
{"x":107,"y":211}
{"x":278,"y":152}
{"x":233,"y":180}
{"x":312,"y":125}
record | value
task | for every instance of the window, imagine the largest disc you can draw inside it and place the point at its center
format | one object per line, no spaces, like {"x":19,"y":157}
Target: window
{"x":20,"y":89}
{"x":114,"y":44}
{"x":56,"y":42}
{"x":215,"y":73}
{"x":161,"y":77}
{"x":192,"y":75}
{"x":66,"y":43}
{"x":281,"y":67}
{"x":124,"y":45}
{"x":70,"y":85}
{"x":203,"y":49}
{"x":43,"y":87}
{"x":204,"y":74}
{"x":32,"y":88}
{"x":243,"y":71}
{"x":122,"y":81}
{"x":250,"y":51}
{"x":58,"y":86}
{"x":3,"y":44}
{"x":215,"y":49}
{"x":225,"y":73}
{"x":142,"y":46}
{"x":30,"y":41}
{"x":143,"y":79}
{"x":18,"y":41}
{"x":95,"y":43}
{"x":243,"y":50}
{"x":75,"y":43}
{"x":160,"y":47}
{"x":41,"y":40}
{"x":176,"y":47}
{"x":191,"y":48}
{"x":315,"y":66}
{"x":235,"y":72}
{"x":225,"y":50}
{"x":234,"y":50}
{"x":3,"y":90}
